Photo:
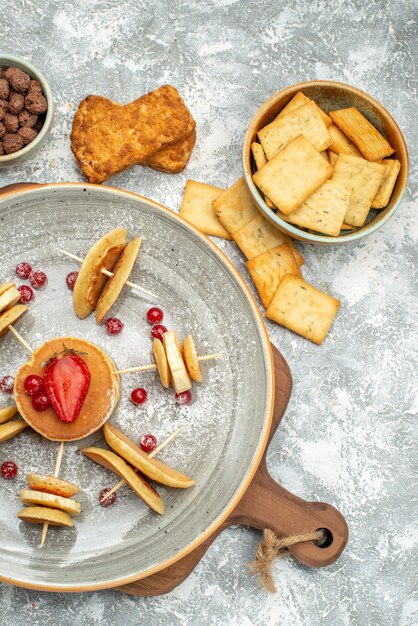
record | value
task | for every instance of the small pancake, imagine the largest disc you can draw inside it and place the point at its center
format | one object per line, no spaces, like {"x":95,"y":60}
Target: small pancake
{"x":101,"y":399}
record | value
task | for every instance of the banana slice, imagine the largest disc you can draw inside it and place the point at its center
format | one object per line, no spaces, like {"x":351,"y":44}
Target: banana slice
{"x":50,"y":484}
{"x":116,"y":464}
{"x":42,"y":514}
{"x":10,"y":429}
{"x":10,"y":316}
{"x":160,"y":472}
{"x":7,"y":413}
{"x":191,"y":360}
{"x":179,"y":375}
{"x":90,"y":281}
{"x":47,"y":499}
{"x":161,"y":362}
{"x":9,"y":298}
{"x":5,"y":286}
{"x":121,"y":273}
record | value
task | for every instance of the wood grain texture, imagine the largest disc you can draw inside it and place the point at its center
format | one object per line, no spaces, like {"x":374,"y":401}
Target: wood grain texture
{"x":265,"y":505}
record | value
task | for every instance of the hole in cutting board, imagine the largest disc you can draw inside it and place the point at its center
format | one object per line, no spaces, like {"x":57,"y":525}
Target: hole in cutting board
{"x":326,"y":540}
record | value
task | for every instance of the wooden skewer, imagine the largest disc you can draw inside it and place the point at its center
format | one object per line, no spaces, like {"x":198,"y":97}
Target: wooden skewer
{"x":107,"y":273}
{"x":150,"y":456}
{"x":56,"y":473}
{"x":20,"y":338}
{"x":152,"y":366}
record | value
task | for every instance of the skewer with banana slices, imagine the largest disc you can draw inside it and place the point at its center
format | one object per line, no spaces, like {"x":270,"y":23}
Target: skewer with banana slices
{"x":10,"y":312}
{"x":128,"y":461}
{"x":104,"y":272}
{"x":175,"y":363}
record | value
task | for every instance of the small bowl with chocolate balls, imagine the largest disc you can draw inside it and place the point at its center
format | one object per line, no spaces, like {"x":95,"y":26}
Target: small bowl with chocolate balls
{"x":26,"y":110}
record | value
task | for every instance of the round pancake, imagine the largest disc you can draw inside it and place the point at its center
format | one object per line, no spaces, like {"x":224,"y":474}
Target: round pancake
{"x":100,"y":401}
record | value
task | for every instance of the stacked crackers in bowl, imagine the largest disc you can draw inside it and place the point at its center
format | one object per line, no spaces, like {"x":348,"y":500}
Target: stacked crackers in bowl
{"x":156,"y":130}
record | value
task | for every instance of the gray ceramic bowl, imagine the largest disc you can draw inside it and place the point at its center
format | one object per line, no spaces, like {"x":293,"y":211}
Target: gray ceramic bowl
{"x":330,"y":95}
{"x":225,"y":428}
{"x":28,"y":151}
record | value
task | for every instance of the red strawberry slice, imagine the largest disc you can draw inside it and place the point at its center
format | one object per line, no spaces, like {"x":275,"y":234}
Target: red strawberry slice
{"x":67,"y":381}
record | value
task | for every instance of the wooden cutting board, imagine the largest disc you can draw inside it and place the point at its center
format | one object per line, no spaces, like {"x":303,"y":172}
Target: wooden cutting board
{"x":264,"y":505}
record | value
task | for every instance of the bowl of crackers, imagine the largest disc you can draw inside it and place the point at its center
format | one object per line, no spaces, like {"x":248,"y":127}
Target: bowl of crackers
{"x":325,"y":162}
{"x":26,"y":110}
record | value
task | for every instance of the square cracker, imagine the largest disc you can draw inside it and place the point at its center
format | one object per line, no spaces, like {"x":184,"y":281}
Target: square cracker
{"x":258,"y":236}
{"x":324,"y":210}
{"x":304,"y":120}
{"x":299,"y":306}
{"x":333,"y":156}
{"x":299,"y":100}
{"x":235,"y":207}
{"x":293,"y":174}
{"x":361,"y":132}
{"x":196,"y":208}
{"x":363,"y":178}
{"x":340,"y":143}
{"x":392,"y":168}
{"x":268,"y":269}
{"x":260,"y":160}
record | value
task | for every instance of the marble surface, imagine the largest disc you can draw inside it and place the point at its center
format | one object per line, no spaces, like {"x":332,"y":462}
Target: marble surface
{"x":349,"y":435}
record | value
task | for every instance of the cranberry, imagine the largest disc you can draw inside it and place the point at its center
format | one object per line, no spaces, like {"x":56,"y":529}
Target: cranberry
{"x":155,"y":315}
{"x":148,"y":443}
{"x":114,"y":326}
{"x":139,"y":395}
{"x":9,"y":470}
{"x":158,"y":331}
{"x":40,"y":401}
{"x":26,"y":294}
{"x":110,"y":500}
{"x":38,"y":279}
{"x":6,"y":384}
{"x":24,"y":270}
{"x":33,"y":383}
{"x":184,"y":398}
{"x":70,"y":279}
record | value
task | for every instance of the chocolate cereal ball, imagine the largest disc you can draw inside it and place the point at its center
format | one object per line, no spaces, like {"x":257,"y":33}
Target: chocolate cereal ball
{"x":27,"y":119}
{"x":3,"y":109}
{"x":3,"y":130}
{"x":4,"y":89}
{"x":12,"y":143}
{"x":18,"y":80}
{"x":1,"y":148}
{"x":35,"y":87}
{"x":36,"y":103}
{"x":11,"y":123}
{"x":16,"y":102}
{"x":27,"y":134}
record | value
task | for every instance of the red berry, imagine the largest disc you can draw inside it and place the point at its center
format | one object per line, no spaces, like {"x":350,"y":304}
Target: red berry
{"x":184,"y":398}
{"x":158,"y":331}
{"x":24,"y":270}
{"x":148,"y":443}
{"x":40,"y":401}
{"x":155,"y":315}
{"x":139,"y":395}
{"x":9,"y":470}
{"x":110,"y":500}
{"x":114,"y":326}
{"x":38,"y":279}
{"x":33,"y":383}
{"x":26,"y":294}
{"x":70,"y":279}
{"x":6,"y":384}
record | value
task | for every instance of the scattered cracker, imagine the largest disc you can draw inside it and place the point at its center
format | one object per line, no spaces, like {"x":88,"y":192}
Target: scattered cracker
{"x":299,"y":306}
{"x":258,"y":236}
{"x":235,"y":207}
{"x":268,"y":269}
{"x":196,"y":208}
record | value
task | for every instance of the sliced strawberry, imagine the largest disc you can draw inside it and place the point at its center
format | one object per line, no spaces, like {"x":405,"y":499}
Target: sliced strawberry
{"x":67,"y":380}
